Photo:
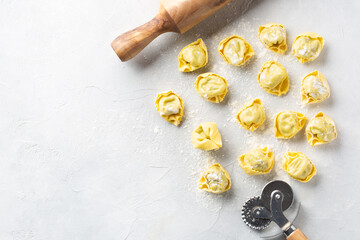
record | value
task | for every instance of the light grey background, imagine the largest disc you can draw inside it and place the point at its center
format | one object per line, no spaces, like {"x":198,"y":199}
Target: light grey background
{"x":85,"y":155}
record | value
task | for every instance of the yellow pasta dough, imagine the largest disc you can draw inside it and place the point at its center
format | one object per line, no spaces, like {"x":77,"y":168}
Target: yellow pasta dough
{"x":273,"y":78}
{"x":251,"y":115}
{"x":307,"y":46}
{"x":314,"y":88}
{"x":321,"y":129}
{"x":206,"y":137}
{"x":211,"y":86}
{"x":170,"y":106}
{"x":273,"y":37}
{"x":193,"y":56}
{"x":298,"y":166}
{"x":288,"y":123}
{"x":215,"y":179}
{"x":235,"y":50}
{"x":258,"y":161}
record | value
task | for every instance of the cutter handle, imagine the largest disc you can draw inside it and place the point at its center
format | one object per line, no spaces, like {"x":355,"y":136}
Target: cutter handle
{"x":297,"y":235}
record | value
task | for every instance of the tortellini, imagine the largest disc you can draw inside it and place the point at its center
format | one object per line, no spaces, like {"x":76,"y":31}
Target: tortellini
{"x":206,"y":137}
{"x":170,"y":106}
{"x":314,"y":88}
{"x":258,"y":161}
{"x":215,"y":179}
{"x":273,"y":37}
{"x":193,"y":56}
{"x":288,"y":123}
{"x":307,"y":46}
{"x":235,"y":50}
{"x":252,"y":115}
{"x":273,"y":78}
{"x":298,"y":166}
{"x":211,"y":86}
{"x":321,"y":129}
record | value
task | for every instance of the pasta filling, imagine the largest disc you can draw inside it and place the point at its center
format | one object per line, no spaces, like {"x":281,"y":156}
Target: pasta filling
{"x":215,"y":179}
{"x":272,"y":76}
{"x":252,"y":115}
{"x":287,"y":123}
{"x":235,"y":50}
{"x":298,"y":166}
{"x":274,"y":35}
{"x":322,"y":129}
{"x":194,"y":55}
{"x":257,"y":160}
{"x":169,"y":105}
{"x":306,"y":47}
{"x":315,"y":88}
{"x":211,"y":86}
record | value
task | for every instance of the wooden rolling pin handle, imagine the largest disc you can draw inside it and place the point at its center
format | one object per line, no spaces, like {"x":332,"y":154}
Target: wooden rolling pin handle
{"x":129,"y":44}
{"x":297,"y":235}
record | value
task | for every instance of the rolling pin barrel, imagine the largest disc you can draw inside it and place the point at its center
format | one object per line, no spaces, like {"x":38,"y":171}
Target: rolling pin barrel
{"x":173,"y":16}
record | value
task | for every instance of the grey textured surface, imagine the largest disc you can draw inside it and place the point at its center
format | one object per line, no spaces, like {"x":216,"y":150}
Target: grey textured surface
{"x":85,"y":155}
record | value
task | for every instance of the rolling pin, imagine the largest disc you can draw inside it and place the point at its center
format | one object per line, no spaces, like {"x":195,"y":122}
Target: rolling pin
{"x":173,"y":16}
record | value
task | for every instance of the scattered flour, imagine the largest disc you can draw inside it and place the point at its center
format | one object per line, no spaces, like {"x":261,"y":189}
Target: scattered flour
{"x":157,"y":130}
{"x":243,"y":87}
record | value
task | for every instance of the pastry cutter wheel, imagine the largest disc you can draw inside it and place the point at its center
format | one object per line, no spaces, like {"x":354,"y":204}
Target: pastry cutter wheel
{"x":276,"y":197}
